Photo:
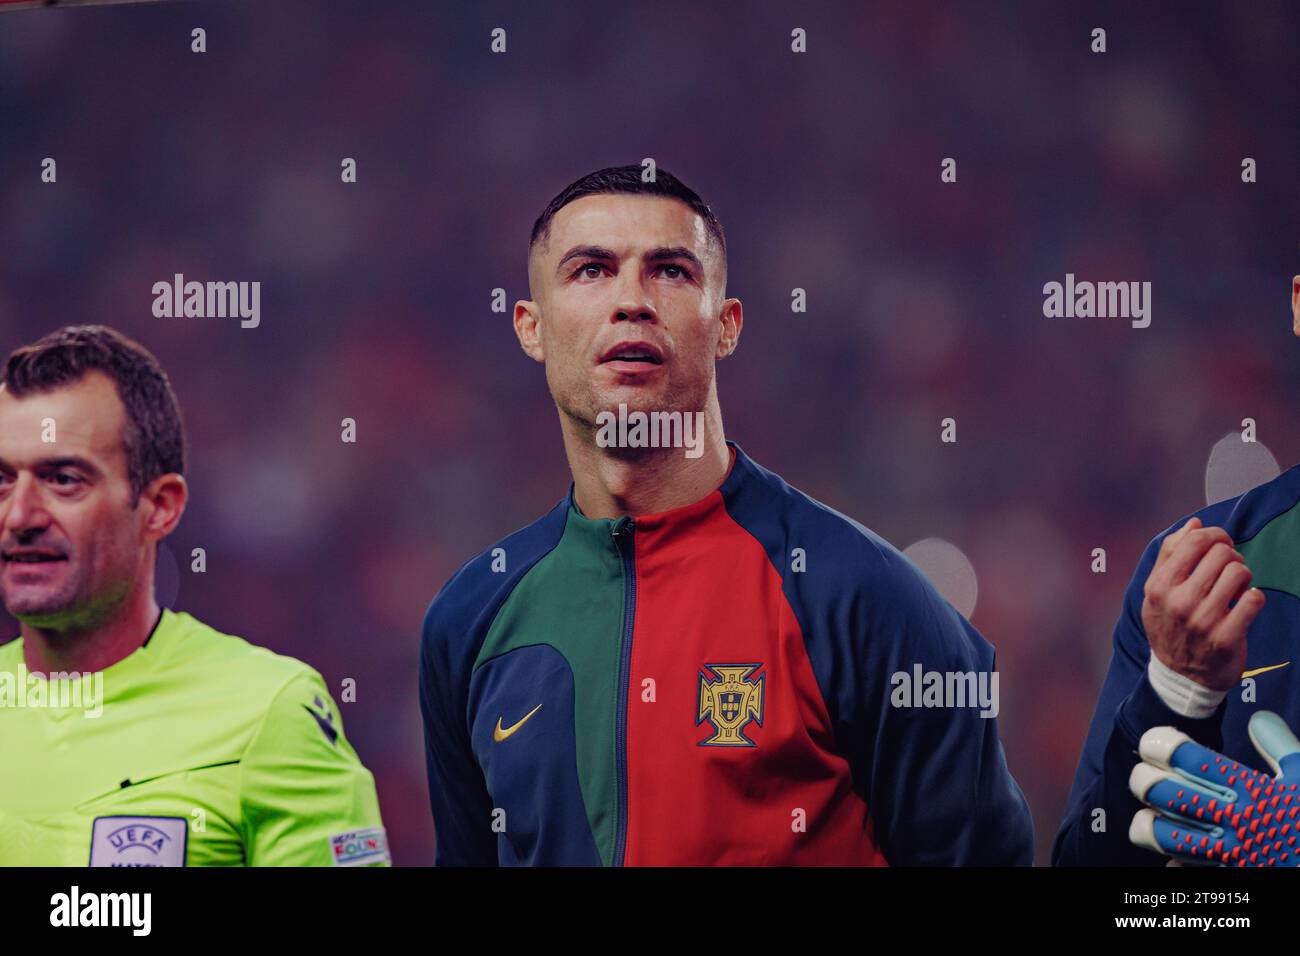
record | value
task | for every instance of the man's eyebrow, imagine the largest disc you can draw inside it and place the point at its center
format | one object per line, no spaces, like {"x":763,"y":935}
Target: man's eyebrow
{"x":585,"y":252}
{"x":674,"y":252}
{"x":658,"y":254}
{"x":53,"y":464}
{"x":70,"y":461}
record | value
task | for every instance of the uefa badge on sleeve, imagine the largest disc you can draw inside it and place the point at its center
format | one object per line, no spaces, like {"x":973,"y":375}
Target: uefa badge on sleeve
{"x":360,"y":847}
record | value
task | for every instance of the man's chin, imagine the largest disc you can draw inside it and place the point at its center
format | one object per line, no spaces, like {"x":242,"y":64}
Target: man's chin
{"x":38,"y":610}
{"x":603,"y":405}
{"x":634,"y":399}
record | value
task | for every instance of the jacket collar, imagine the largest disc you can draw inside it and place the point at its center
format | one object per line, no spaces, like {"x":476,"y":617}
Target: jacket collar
{"x":742,"y":468}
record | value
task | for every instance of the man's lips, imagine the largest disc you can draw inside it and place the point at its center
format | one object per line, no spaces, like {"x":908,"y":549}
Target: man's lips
{"x":635,"y":353}
{"x":631,"y":368}
{"x":31,"y":556}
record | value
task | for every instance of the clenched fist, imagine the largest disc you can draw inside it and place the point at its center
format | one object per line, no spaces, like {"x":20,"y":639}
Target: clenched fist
{"x":1188,"y":612}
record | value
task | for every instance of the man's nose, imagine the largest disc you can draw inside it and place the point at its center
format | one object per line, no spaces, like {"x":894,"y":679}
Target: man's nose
{"x":24,"y":509}
{"x":633,"y":303}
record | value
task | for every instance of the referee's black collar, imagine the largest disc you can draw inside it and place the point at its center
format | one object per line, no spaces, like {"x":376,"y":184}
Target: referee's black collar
{"x":154,"y":630}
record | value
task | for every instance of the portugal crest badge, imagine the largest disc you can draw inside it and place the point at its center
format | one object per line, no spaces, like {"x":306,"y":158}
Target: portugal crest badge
{"x":729,"y":700}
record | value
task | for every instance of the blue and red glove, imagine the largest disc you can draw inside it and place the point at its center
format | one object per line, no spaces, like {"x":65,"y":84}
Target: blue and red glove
{"x":1208,"y":809}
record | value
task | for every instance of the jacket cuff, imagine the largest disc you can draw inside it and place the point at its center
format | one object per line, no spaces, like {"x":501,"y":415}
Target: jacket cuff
{"x":1143,"y":709}
{"x":1182,"y":694}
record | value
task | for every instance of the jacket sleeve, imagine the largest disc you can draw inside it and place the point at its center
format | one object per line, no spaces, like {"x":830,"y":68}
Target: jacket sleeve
{"x":936,"y":780}
{"x":462,"y":807}
{"x":305,"y":798}
{"x":1095,"y":829}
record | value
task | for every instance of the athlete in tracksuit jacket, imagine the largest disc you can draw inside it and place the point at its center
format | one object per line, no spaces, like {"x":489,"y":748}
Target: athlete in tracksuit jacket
{"x":716,"y":684}
{"x":1264,"y":525}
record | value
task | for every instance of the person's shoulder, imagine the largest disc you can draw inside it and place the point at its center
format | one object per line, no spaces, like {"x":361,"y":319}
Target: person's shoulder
{"x":1242,"y":516}
{"x":259,"y":671}
{"x":1249,"y":514}
{"x":847,"y":553}
{"x":465,"y":602}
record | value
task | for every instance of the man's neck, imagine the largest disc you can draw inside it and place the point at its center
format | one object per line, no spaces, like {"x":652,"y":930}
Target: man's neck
{"x":610,"y":483}
{"x":91,"y":649}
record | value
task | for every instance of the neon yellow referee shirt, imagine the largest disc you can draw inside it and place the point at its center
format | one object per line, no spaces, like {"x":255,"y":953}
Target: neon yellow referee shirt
{"x":198,"y":749}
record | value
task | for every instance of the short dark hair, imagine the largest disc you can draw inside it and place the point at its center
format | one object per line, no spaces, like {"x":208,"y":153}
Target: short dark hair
{"x":627,"y":179}
{"x":154,"y":437}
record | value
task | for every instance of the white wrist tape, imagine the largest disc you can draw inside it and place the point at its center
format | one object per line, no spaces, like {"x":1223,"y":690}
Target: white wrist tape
{"x":1181,"y":694}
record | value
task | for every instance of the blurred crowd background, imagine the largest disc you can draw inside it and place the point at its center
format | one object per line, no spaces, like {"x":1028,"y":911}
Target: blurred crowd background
{"x":924,"y":298}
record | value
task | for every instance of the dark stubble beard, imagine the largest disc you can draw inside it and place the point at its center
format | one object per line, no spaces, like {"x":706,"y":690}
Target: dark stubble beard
{"x":673,"y":398}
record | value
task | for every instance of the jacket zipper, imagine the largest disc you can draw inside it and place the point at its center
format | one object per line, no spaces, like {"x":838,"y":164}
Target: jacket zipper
{"x":627,"y":525}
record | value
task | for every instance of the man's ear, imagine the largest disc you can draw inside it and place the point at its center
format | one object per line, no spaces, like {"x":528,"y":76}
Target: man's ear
{"x":1295,"y":304}
{"x":166,"y":497}
{"x":733,"y":320}
{"x":528,"y":329}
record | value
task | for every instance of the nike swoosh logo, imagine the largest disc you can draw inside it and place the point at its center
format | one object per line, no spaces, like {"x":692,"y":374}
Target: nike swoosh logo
{"x":1261,"y":670}
{"x":499,"y":735}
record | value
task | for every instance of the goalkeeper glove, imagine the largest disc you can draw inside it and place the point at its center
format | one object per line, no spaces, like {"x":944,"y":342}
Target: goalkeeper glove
{"x":1208,"y":809}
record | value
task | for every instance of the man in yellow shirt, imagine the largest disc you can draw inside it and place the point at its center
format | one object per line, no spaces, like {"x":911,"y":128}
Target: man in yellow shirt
{"x":132,"y":735}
